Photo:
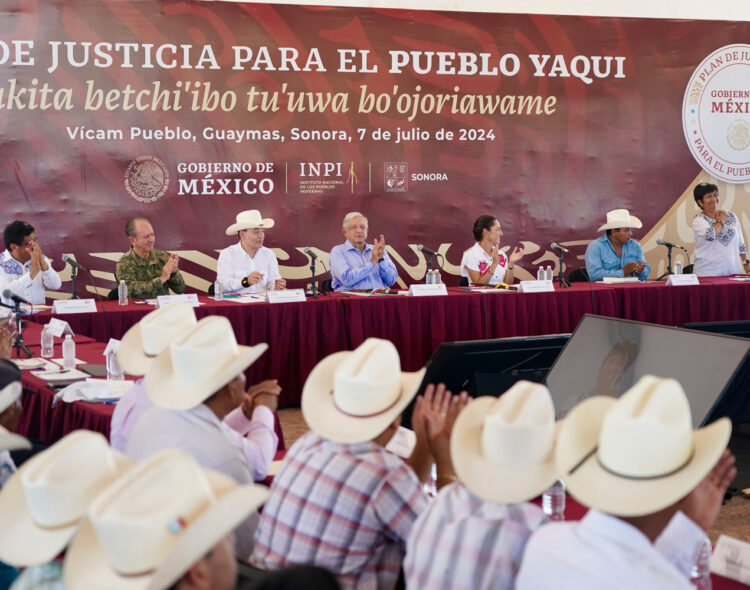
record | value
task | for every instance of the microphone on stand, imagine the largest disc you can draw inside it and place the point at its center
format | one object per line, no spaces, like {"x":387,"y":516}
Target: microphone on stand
{"x":556,"y":246}
{"x":426,"y":250}
{"x":670,"y":244}
{"x":73,"y":263}
{"x":8,"y":294}
{"x":310,"y":253}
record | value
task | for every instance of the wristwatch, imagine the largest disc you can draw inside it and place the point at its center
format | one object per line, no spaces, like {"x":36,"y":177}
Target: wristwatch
{"x":245,"y":283}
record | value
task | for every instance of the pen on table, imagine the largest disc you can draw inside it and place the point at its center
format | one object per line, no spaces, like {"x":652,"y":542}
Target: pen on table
{"x":55,"y":372}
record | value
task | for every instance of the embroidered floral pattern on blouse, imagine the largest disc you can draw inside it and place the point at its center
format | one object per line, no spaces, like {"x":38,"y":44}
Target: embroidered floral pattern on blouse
{"x":483,"y":266}
{"x":501,"y":260}
{"x":727,"y":231}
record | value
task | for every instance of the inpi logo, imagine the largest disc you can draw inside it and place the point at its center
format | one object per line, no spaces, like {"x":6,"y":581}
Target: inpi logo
{"x":320,"y":169}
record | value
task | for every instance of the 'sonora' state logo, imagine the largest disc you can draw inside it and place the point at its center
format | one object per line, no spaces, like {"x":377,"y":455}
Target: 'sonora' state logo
{"x":716,"y":114}
{"x":146,"y":179}
{"x":395,"y":177}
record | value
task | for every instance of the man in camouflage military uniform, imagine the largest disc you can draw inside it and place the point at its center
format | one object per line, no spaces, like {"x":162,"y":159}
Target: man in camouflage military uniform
{"x":147,"y":272}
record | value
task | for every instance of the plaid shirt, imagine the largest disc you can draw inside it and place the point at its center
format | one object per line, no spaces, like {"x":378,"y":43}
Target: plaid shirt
{"x":348,"y":508}
{"x":462,"y":542}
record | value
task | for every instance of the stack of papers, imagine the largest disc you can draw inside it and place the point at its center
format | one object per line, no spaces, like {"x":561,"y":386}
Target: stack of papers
{"x":618,"y":280}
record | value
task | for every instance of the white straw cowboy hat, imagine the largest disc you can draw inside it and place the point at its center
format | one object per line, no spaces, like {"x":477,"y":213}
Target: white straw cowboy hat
{"x":10,"y":384}
{"x":12,"y":442}
{"x":503,"y":449}
{"x":143,"y":342}
{"x":151,"y":525}
{"x":637,"y":454}
{"x":197,"y":364}
{"x":42,"y":504}
{"x":620,"y":218}
{"x":354,"y":396}
{"x":251,"y":219}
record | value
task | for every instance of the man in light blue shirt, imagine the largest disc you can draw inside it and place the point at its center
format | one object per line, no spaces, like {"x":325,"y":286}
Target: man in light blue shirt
{"x":355,"y":264}
{"x":615,"y":254}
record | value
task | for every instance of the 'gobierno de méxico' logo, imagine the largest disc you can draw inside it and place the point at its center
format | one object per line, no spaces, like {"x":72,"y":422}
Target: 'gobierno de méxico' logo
{"x":715,"y":114}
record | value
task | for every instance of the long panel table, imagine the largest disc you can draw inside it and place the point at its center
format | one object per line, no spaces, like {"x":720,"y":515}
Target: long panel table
{"x":301,"y":334}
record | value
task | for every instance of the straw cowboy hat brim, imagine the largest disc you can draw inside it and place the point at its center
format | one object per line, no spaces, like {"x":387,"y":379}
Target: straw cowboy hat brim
{"x":131,"y":354}
{"x":167,"y":390}
{"x":322,"y":415}
{"x":12,"y":442}
{"x":630,"y":221}
{"x":594,"y":486}
{"x":9,"y":394}
{"x":249,"y":220}
{"x":23,"y":542}
{"x":87,"y":564}
{"x":480,"y":475}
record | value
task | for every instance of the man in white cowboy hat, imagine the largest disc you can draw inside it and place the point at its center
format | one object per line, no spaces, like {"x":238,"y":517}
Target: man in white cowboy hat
{"x":248,"y":266}
{"x":10,"y":412}
{"x":615,"y":253}
{"x":43,"y":503}
{"x":355,"y":264}
{"x":147,"y":272}
{"x":166,"y":523}
{"x":340,"y":500}
{"x":503,"y":452}
{"x":653,"y":484}
{"x":194,"y":383}
{"x":139,"y":347}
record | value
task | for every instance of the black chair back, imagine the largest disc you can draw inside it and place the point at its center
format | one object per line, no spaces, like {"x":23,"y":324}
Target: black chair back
{"x":578,"y":275}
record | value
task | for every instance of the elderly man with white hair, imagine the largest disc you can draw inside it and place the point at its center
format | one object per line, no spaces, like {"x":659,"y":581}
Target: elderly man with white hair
{"x":355,"y":264}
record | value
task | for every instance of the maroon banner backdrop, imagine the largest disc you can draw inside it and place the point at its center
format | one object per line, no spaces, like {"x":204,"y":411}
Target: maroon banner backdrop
{"x":189,"y":112}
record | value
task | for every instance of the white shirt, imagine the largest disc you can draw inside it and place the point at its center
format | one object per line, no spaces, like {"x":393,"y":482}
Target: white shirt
{"x":16,"y":277}
{"x":235,"y":264}
{"x":476,"y":259}
{"x":602,"y":552}
{"x":718,"y":255}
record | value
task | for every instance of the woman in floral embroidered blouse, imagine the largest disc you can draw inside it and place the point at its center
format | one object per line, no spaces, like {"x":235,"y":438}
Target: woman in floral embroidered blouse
{"x":483,"y":263}
{"x":719,"y":246}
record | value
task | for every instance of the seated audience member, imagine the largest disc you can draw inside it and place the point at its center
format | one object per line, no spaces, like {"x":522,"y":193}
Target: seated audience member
{"x":194,"y":383}
{"x":719,"y":246}
{"x":654,"y":486}
{"x":10,"y":412}
{"x":503,"y":453}
{"x":615,"y":253}
{"x":43,"y":503}
{"x":248,"y":266}
{"x":147,"y":272}
{"x":355,"y":264}
{"x":340,"y":500}
{"x":167,"y":523}
{"x":24,"y":269}
{"x":483,"y":263}
{"x":141,"y":345}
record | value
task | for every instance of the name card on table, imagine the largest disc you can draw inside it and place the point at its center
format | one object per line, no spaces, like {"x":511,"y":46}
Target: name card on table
{"x":731,"y":559}
{"x":59,"y":327}
{"x":285,"y":295}
{"x":425,"y":290}
{"x":536,"y":287}
{"x":680,"y":280}
{"x":191,"y":298}
{"x":74,"y":306}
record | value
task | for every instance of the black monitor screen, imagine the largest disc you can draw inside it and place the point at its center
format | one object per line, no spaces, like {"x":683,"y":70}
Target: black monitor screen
{"x":606,"y":356}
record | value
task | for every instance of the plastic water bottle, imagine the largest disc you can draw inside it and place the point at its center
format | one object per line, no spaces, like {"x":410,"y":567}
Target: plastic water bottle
{"x":69,"y":352}
{"x":429,"y":277}
{"x":122,"y":293}
{"x":700,"y":575}
{"x":48,"y":343}
{"x":114,"y":370}
{"x":678,"y":267}
{"x":540,"y":274}
{"x":436,"y":279}
{"x":548,"y":276}
{"x":553,"y":501}
{"x":218,"y":291}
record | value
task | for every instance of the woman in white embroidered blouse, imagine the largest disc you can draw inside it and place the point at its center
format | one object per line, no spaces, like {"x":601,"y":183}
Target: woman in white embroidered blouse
{"x":719,"y":246}
{"x":484,"y":264}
